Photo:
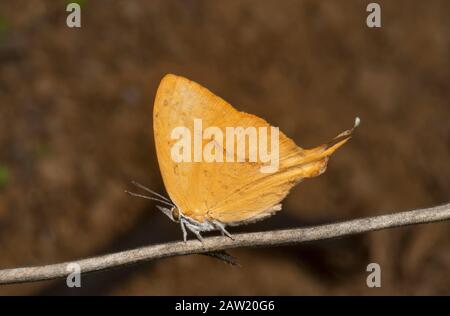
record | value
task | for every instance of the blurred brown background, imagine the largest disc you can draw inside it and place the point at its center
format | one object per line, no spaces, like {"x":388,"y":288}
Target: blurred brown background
{"x":76,"y":127}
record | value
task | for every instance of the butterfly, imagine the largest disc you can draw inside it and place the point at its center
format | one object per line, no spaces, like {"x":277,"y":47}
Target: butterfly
{"x":208,"y":196}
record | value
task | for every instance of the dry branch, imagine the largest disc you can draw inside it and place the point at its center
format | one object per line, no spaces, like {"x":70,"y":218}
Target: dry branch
{"x":213,"y":244}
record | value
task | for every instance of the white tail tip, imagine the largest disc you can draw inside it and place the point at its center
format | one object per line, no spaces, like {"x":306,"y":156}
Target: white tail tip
{"x":357,"y":122}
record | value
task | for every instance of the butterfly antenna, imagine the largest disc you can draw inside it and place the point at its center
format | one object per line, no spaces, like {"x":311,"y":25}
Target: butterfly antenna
{"x":150,"y":191}
{"x":149,"y":198}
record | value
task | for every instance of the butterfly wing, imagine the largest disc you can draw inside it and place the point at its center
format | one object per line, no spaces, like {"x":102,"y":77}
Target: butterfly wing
{"x":261,"y":194}
{"x":229,"y":192}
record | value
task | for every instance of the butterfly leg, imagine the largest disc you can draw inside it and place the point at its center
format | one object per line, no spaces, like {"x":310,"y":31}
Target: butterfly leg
{"x":223,"y":230}
{"x":197,"y":233}
{"x":194,"y":229}
{"x":183,"y":229}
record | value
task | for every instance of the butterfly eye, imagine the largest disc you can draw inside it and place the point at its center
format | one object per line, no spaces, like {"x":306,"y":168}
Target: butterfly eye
{"x":175,"y":214}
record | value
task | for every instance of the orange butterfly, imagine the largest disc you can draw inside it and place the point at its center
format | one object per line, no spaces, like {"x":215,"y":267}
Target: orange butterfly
{"x":208,"y":196}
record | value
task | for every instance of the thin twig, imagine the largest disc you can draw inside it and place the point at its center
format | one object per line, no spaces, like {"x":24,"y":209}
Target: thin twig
{"x":214,"y":244}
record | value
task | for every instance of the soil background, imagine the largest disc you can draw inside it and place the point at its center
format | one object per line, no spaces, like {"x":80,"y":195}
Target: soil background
{"x":76,"y":128}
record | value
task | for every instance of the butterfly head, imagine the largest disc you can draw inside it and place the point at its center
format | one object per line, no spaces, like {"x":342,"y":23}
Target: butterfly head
{"x":172,"y":213}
